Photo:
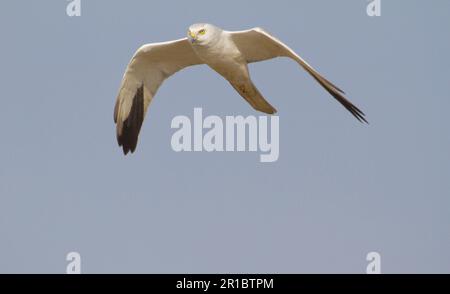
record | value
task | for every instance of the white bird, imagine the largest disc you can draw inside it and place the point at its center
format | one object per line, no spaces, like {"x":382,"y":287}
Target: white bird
{"x":226,"y":52}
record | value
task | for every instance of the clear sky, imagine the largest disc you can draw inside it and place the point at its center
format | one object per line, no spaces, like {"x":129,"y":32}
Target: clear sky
{"x":339,"y":190}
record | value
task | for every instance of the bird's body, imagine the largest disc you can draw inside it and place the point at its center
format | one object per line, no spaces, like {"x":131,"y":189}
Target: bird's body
{"x":221,"y":54}
{"x":227,"y":53}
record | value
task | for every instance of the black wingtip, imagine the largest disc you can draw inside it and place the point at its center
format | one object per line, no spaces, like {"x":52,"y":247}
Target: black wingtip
{"x":356,"y":112}
{"x":338,"y":94}
{"x":128,"y":134}
{"x":125,"y":150}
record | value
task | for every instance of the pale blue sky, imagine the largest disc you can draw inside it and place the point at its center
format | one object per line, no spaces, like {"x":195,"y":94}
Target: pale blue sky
{"x":339,"y":190}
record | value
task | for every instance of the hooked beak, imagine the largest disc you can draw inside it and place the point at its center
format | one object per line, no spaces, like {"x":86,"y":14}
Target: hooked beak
{"x":193,"y":36}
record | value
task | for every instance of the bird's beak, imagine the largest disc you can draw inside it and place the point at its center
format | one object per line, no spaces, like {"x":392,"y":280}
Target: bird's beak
{"x":193,"y":36}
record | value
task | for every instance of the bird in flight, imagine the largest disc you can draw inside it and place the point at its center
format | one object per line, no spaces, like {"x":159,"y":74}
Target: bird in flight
{"x":226,"y":52}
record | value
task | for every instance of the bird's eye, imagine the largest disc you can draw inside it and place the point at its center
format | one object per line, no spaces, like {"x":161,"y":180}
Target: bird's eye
{"x":202,"y":32}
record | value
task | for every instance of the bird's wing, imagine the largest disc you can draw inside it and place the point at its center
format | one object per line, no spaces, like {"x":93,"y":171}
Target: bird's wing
{"x":149,"y":67}
{"x":257,"y":45}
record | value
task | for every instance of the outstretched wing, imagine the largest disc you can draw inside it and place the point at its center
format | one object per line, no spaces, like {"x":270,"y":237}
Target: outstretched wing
{"x":257,"y":45}
{"x":149,"y":67}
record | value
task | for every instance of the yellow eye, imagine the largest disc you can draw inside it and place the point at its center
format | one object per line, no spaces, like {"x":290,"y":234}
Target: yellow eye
{"x":202,"y":32}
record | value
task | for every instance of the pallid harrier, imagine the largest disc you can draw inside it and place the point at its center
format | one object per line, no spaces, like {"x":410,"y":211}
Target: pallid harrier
{"x":226,"y":52}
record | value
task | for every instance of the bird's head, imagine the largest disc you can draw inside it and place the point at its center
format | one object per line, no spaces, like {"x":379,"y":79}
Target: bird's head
{"x":202,"y":33}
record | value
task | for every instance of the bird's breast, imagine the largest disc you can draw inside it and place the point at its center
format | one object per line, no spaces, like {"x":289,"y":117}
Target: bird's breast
{"x":223,"y":59}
